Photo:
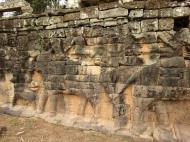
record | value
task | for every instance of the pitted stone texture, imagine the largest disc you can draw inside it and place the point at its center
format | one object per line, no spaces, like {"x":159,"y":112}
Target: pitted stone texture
{"x":149,"y":25}
{"x":100,"y":68}
{"x":181,"y":11}
{"x":136,"y":13}
{"x":166,"y":24}
{"x":166,"y":12}
{"x":89,"y":13}
{"x":150,"y":13}
{"x":135,"y":27}
{"x":117,"y":12}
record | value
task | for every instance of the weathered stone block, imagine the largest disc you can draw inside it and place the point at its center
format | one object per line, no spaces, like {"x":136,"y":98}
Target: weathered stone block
{"x":174,"y":62}
{"x":8,"y":24}
{"x":71,"y":16}
{"x":131,"y":61}
{"x":150,"y":13}
{"x":72,"y":32}
{"x":149,"y":25}
{"x":157,"y":4}
{"x":95,"y":20}
{"x":71,"y":69}
{"x":166,"y":24}
{"x":89,"y":70}
{"x":171,"y":72}
{"x":122,"y":21}
{"x":42,"y":21}
{"x":95,"y":41}
{"x":135,"y":27}
{"x":19,"y":23}
{"x":51,"y":27}
{"x":181,"y":11}
{"x":82,"y":22}
{"x":93,"y":32}
{"x":117,"y":12}
{"x":111,"y":5}
{"x":148,"y":37}
{"x":134,"y":5}
{"x":136,"y":13}
{"x":58,"y":68}
{"x":110,"y":22}
{"x":88,"y":13}
{"x":99,"y":23}
{"x":166,"y":12}
{"x":168,"y":81}
{"x":63,"y":25}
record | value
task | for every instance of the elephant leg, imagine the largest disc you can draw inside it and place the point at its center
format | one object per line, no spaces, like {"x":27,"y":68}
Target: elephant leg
{"x":162,"y":113}
{"x":53,"y":104}
{"x":82,"y":107}
{"x":41,"y":103}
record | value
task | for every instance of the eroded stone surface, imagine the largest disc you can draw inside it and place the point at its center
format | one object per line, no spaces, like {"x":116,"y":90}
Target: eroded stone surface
{"x":115,"y":68}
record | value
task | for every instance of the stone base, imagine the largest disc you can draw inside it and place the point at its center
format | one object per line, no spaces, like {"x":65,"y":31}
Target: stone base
{"x":107,"y":127}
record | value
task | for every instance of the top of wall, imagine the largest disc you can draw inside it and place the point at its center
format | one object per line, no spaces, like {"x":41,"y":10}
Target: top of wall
{"x":107,"y":14}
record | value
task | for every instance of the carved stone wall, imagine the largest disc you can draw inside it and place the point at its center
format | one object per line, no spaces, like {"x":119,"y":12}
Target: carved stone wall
{"x":114,"y":68}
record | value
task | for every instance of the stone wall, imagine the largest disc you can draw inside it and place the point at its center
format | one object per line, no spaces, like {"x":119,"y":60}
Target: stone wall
{"x":114,"y":68}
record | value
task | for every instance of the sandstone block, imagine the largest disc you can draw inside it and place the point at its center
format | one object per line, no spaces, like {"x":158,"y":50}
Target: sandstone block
{"x":20,"y":23}
{"x":62,"y":25}
{"x":166,"y":12}
{"x":108,"y":23}
{"x":55,"y":20}
{"x":95,"y":41}
{"x":121,"y":21}
{"x":111,"y":5}
{"x":181,"y":11}
{"x":166,"y":24}
{"x":88,"y":13}
{"x":82,"y":22}
{"x":149,"y":25}
{"x":174,"y":62}
{"x":136,"y":13}
{"x":44,"y":21}
{"x":100,"y":23}
{"x":71,"y":16}
{"x":157,"y":4}
{"x":148,"y":37}
{"x":171,"y":72}
{"x":117,"y":12}
{"x":135,"y":27}
{"x":72,"y":70}
{"x":169,"y":81}
{"x":29,"y":96}
{"x":93,"y":32}
{"x":150,"y":13}
{"x":134,"y":5}
{"x":131,"y":61}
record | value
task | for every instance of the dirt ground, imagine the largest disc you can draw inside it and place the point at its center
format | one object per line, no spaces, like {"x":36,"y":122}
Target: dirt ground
{"x":36,"y":130}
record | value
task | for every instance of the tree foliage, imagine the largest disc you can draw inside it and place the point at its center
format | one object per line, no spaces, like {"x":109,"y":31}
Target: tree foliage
{"x":40,"y":5}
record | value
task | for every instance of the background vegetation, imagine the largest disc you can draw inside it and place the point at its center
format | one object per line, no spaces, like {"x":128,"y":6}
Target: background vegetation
{"x":40,"y":5}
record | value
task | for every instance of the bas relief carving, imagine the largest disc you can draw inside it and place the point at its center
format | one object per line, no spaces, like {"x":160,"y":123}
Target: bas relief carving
{"x":135,"y":98}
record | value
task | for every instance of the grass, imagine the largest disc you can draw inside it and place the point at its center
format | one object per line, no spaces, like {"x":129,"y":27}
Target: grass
{"x":36,"y":130}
